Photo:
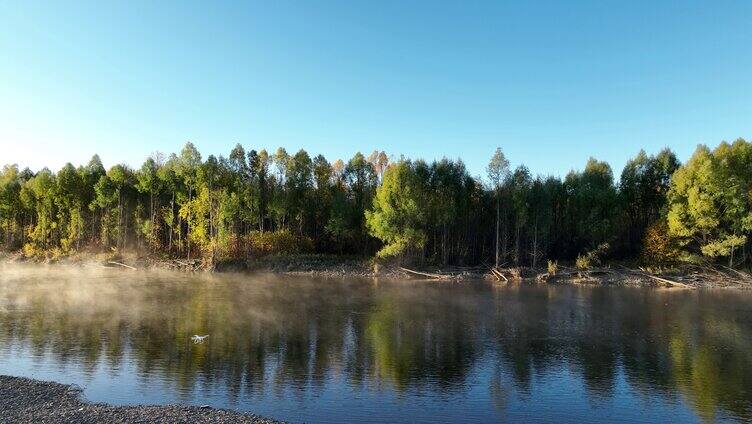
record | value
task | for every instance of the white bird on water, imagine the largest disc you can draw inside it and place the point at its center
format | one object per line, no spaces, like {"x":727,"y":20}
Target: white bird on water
{"x":199,"y":339}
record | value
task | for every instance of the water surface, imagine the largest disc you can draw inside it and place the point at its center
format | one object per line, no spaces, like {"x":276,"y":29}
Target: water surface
{"x":312,"y":350}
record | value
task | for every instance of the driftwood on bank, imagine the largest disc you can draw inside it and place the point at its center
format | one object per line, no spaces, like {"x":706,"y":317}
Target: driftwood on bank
{"x":121,"y":264}
{"x":498,"y":275}
{"x":562,"y":275}
{"x":661,"y":279}
{"x":606,"y":275}
{"x":426,"y":274}
{"x":746,"y":277}
{"x":676,"y":275}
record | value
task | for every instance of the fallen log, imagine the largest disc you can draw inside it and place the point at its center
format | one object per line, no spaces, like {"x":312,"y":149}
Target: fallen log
{"x":739,"y":273}
{"x":667,"y":281}
{"x":499,"y":276}
{"x":191,"y":264}
{"x":566,"y":274}
{"x":657,"y":278}
{"x":426,"y":274}
{"x":121,"y":264}
{"x":712,"y":269}
{"x":597,"y":271}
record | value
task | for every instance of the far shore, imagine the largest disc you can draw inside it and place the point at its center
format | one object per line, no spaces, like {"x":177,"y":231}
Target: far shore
{"x":686,"y":276}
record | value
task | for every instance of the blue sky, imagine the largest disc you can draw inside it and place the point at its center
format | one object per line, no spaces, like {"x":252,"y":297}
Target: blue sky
{"x":550,"y":82}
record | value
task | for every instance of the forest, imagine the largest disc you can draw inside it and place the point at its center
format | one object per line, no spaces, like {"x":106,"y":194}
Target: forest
{"x":255,"y":203}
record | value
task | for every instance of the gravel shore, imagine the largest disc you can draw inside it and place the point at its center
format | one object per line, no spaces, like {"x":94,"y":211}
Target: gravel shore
{"x":30,"y":401}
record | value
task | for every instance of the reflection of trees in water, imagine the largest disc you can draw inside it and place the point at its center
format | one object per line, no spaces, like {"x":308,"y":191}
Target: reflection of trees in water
{"x":418,"y":337}
{"x":668,"y":343}
{"x":711,"y":361}
{"x":281,"y":335}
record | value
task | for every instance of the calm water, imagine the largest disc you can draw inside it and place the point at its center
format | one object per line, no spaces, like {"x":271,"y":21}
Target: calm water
{"x":301,"y":349}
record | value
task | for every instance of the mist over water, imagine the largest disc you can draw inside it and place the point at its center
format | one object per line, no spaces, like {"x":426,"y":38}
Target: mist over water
{"x":305,"y":349}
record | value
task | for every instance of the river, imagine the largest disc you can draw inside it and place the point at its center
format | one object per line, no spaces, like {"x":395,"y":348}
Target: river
{"x":302,"y":349}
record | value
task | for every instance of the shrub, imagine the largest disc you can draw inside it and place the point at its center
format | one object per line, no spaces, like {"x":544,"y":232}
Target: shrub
{"x":582,"y":262}
{"x":515,"y":273}
{"x":278,"y":242}
{"x":591,"y":258}
{"x":553,"y":266}
{"x":30,"y":251}
{"x":658,"y":245}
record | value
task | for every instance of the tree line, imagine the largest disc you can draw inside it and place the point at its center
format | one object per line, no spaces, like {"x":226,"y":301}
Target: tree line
{"x":254,"y":203}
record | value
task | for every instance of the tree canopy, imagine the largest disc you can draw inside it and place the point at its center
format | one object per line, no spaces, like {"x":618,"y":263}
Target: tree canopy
{"x":252,"y":202}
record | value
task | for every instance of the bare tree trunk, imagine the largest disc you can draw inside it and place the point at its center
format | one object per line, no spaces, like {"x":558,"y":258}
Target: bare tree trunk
{"x":188,"y":232}
{"x":497,"y":226}
{"x":125,"y":224}
{"x":152,"y":233}
{"x":517,"y":254}
{"x":120,"y":218}
{"x":172,"y":219}
{"x":731,"y":258}
{"x":443,"y":245}
{"x":504,"y":237}
{"x":535,"y":243}
{"x":80,"y":229}
{"x":180,"y":234}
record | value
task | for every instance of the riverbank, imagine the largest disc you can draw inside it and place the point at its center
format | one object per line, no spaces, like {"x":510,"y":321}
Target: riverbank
{"x":23,"y":400}
{"x":687,"y":276}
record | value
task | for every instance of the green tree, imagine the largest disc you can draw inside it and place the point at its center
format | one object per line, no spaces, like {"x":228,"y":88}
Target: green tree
{"x":643,"y":189}
{"x":542,"y":204}
{"x":91,"y":173}
{"x":360,"y":182}
{"x":172,"y":184}
{"x":69,"y":199}
{"x":112,"y":198}
{"x":149,"y":183}
{"x":298,"y":186}
{"x":498,"y":171}
{"x":591,"y":210}
{"x":520,"y":186}
{"x":322,"y":178}
{"x":187,"y":168}
{"x":397,"y":217}
{"x":38,"y":194}
{"x":11,"y":207}
{"x":710,"y":200}
{"x":259,"y":165}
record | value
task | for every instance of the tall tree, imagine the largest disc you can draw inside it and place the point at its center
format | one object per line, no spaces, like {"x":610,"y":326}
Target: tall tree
{"x":11,"y":206}
{"x":397,"y":216}
{"x":187,"y":168}
{"x":148,"y":182}
{"x":498,"y":171}
{"x":259,"y":164}
{"x":69,"y":198}
{"x":298,"y":185}
{"x":520,"y":186}
{"x":711,"y":201}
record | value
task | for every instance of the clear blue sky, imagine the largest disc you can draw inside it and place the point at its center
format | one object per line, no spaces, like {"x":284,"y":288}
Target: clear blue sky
{"x":550,"y":82}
